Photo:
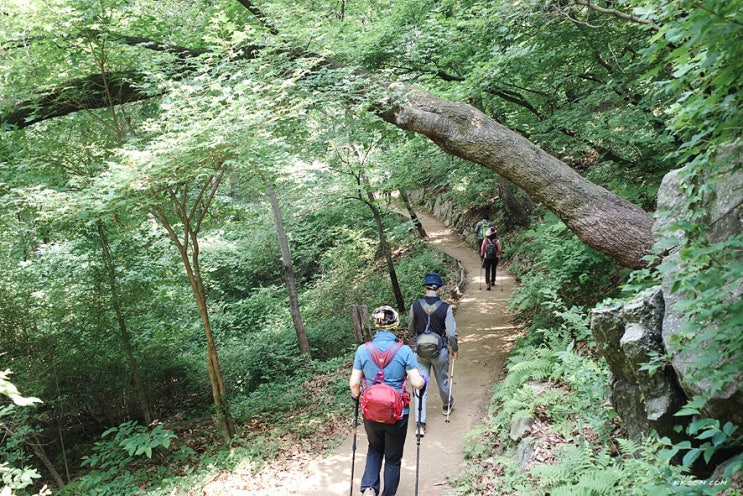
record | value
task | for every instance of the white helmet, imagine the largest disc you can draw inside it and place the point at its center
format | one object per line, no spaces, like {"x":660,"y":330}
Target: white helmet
{"x":385,"y":317}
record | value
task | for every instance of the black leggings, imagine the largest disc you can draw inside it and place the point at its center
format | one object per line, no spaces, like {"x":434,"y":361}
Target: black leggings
{"x":490,"y":266}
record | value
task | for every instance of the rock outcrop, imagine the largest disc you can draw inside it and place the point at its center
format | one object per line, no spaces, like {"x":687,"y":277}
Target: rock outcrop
{"x":629,"y":335}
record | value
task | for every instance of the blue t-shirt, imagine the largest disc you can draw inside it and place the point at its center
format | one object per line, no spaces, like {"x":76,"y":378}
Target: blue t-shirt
{"x":395,"y":371}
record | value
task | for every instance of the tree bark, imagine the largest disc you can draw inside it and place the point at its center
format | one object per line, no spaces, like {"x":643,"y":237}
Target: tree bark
{"x":291,"y":286}
{"x":126,"y":339}
{"x":515,"y":209}
{"x":360,"y":320}
{"x":38,"y":450}
{"x":385,"y":247}
{"x":413,"y":216}
{"x":601,"y":219}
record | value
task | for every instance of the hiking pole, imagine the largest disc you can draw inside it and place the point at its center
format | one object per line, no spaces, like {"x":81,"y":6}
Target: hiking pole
{"x":355,"y":428}
{"x":418,"y":440}
{"x":480,"y":275}
{"x":451,"y":386}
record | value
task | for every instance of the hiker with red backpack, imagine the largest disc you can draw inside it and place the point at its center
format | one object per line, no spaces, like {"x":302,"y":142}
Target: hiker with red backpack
{"x":385,"y":365}
{"x":490,"y":252}
{"x":432,"y":323}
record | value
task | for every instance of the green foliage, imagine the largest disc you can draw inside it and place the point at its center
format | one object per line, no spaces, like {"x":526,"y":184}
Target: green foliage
{"x":551,"y":264}
{"x":130,"y":441}
{"x":13,"y":478}
{"x":569,"y":396}
{"x":714,"y":438}
{"x":711,"y":308}
{"x":268,"y":353}
{"x":120,"y":449}
{"x":701,"y":43}
{"x":707,"y":439}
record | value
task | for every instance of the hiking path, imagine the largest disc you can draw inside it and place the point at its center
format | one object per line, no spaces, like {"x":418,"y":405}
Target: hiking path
{"x":486,"y":335}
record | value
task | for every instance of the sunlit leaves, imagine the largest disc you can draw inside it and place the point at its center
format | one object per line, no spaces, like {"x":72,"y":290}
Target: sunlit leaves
{"x":706,"y":54}
{"x":9,"y":390}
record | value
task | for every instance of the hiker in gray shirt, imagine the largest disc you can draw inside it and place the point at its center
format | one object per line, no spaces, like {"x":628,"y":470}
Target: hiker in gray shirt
{"x":432,"y":323}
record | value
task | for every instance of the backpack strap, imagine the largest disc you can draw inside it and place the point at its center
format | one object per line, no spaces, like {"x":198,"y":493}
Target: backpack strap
{"x":382,"y":359}
{"x":430,"y":310}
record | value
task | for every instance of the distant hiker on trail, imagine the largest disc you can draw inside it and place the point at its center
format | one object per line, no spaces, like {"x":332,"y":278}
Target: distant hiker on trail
{"x":385,"y":186}
{"x":432,"y":323}
{"x":490,"y":252}
{"x":386,"y":440}
{"x":481,"y":228}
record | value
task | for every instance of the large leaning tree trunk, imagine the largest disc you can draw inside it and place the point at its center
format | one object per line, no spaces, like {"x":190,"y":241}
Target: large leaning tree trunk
{"x":598,"y":217}
{"x":601,"y":219}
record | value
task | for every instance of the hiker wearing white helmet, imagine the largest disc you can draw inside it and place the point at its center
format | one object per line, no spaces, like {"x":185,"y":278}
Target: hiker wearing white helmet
{"x":388,"y":362}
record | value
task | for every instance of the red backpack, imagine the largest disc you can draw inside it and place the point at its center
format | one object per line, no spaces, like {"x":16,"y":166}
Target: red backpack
{"x":381,"y":402}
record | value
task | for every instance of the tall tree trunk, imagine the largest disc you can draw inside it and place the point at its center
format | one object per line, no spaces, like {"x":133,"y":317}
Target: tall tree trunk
{"x":191,"y":219}
{"x":360,"y":320}
{"x":516,"y":210}
{"x":413,"y":216}
{"x":126,"y":339}
{"x":219,"y":393}
{"x":291,"y":286}
{"x":385,"y":247}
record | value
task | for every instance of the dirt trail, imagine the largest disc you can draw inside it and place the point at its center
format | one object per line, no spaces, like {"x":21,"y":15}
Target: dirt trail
{"x":485,"y":336}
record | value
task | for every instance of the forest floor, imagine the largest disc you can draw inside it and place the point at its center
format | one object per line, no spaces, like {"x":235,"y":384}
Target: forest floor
{"x":486,"y":335}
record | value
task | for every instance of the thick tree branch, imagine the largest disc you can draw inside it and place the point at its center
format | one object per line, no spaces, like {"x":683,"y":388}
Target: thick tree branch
{"x":598,"y":217}
{"x":90,"y":92}
{"x":75,"y":95}
{"x":251,"y":7}
{"x":150,"y":44}
{"x":517,"y":99}
{"x":617,"y":13}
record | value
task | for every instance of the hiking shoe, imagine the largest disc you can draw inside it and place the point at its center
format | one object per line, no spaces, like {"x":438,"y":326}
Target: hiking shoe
{"x":422,"y":429}
{"x":488,"y":288}
{"x":448,"y":408}
{"x":369,"y":492}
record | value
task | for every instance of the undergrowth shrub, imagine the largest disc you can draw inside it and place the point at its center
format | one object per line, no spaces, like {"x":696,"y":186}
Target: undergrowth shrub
{"x":269,"y":355}
{"x":555,"y":381}
{"x":12,"y":477}
{"x":550,"y":262}
{"x":121,"y":449}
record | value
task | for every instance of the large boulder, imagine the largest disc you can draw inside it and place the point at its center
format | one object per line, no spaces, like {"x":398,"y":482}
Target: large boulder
{"x":628,"y":336}
{"x":725,"y":219}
